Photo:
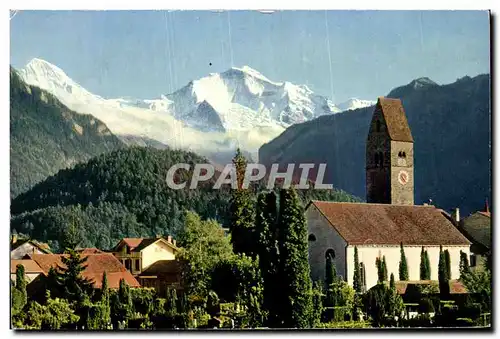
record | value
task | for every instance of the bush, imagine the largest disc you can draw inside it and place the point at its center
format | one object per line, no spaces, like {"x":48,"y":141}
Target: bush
{"x":345,"y":324}
{"x":426,"y":306}
{"x":337,"y":314}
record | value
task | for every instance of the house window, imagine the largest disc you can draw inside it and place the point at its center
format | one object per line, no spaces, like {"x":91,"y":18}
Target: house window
{"x":137,"y":266}
{"x":128,"y":264}
{"x":330,"y":253}
{"x":312,"y":237}
{"x":472,"y":260}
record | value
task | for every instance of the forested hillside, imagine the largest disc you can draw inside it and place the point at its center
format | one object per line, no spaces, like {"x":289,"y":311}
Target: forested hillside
{"x":123,"y":194}
{"x":45,"y":136}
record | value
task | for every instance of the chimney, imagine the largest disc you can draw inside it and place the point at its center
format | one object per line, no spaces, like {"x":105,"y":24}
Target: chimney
{"x":457,"y":215}
{"x":174,"y":242}
{"x":486,"y":207}
{"x":169,"y":239}
{"x":14,"y":238}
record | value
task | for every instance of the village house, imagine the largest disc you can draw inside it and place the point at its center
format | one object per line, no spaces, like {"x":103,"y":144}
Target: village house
{"x":389,"y":218}
{"x":31,"y":269}
{"x":151,"y":260}
{"x":95,"y":266}
{"x":477,"y":228}
{"x":19,"y":248}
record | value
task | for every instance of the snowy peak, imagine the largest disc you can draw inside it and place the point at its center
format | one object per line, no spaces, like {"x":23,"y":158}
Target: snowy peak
{"x":355,"y":103}
{"x":422,"y":82}
{"x":47,"y":76}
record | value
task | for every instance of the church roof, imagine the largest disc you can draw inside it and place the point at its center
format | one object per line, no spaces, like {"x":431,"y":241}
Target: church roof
{"x":395,"y":119}
{"x":385,"y":224}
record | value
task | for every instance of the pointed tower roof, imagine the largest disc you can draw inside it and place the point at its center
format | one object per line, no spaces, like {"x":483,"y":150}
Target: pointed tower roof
{"x":395,"y":119}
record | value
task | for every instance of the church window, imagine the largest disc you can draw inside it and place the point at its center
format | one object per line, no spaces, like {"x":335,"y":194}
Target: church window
{"x":312,"y":237}
{"x":378,"y":125}
{"x":330,"y":253}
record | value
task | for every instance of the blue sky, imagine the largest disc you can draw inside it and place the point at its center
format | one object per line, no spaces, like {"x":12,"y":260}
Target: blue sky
{"x":143,"y":54}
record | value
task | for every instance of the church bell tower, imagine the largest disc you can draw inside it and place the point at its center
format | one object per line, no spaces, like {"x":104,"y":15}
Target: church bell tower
{"x":389,"y":155}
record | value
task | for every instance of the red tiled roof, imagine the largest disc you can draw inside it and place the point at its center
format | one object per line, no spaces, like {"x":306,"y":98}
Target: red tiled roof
{"x":395,"y":119}
{"x":30,"y":266}
{"x":91,"y":250}
{"x":456,"y":287}
{"x":132,"y":242}
{"x":96,"y":265}
{"x":362,"y":223}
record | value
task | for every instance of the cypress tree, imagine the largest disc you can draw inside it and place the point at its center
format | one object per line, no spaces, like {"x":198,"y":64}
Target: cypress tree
{"x":171,"y":302}
{"x":297,"y":307}
{"x":267,"y":251}
{"x":464,"y":264}
{"x":330,"y":278}
{"x":427,"y":266}
{"x":21,"y":285}
{"x":425,"y":273}
{"x":403,"y":266}
{"x":442,"y":274}
{"x":422,"y":264}
{"x":125,"y":306}
{"x":447,"y":261}
{"x":105,"y":288}
{"x":380,"y":270}
{"x":392,"y":283}
{"x":384,"y":269}
{"x":317,"y":303}
{"x":357,"y":276}
{"x":242,"y":211}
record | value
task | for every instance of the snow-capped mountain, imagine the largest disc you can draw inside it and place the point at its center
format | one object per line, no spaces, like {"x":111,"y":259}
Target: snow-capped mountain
{"x":355,"y":103}
{"x":214,"y":114}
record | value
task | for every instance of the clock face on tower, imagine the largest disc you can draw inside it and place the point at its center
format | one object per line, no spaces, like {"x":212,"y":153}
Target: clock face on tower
{"x":403,"y":177}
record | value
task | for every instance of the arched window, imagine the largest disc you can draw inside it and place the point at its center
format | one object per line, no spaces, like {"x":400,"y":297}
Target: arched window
{"x":330,"y":253}
{"x":311,"y":237}
{"x":378,"y":125}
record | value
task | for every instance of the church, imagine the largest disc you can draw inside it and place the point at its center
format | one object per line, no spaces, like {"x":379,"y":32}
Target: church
{"x":389,"y":218}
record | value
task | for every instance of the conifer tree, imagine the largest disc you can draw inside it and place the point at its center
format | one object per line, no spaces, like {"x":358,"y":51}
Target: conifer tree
{"x":242,"y":211}
{"x":171,"y":302}
{"x":317,"y":303}
{"x":69,"y":281}
{"x":295,"y":280}
{"x":442,"y":274}
{"x":427,"y":265}
{"x":330,"y":278}
{"x":357,"y":276}
{"x":447,"y":261}
{"x":392,"y":283}
{"x":384,"y":269}
{"x":380,"y":270}
{"x":21,"y":285}
{"x":125,"y":306}
{"x":403,"y":266}
{"x":424,"y":265}
{"x":267,"y":251}
{"x":464,"y":264}
{"x":105,"y":288}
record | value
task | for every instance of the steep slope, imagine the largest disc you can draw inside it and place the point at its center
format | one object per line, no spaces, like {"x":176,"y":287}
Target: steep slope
{"x":452,"y":132}
{"x":123,"y":194}
{"x":45,"y":136}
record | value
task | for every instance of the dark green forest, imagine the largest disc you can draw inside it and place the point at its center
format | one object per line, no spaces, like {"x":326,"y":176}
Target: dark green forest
{"x":124,"y":194}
